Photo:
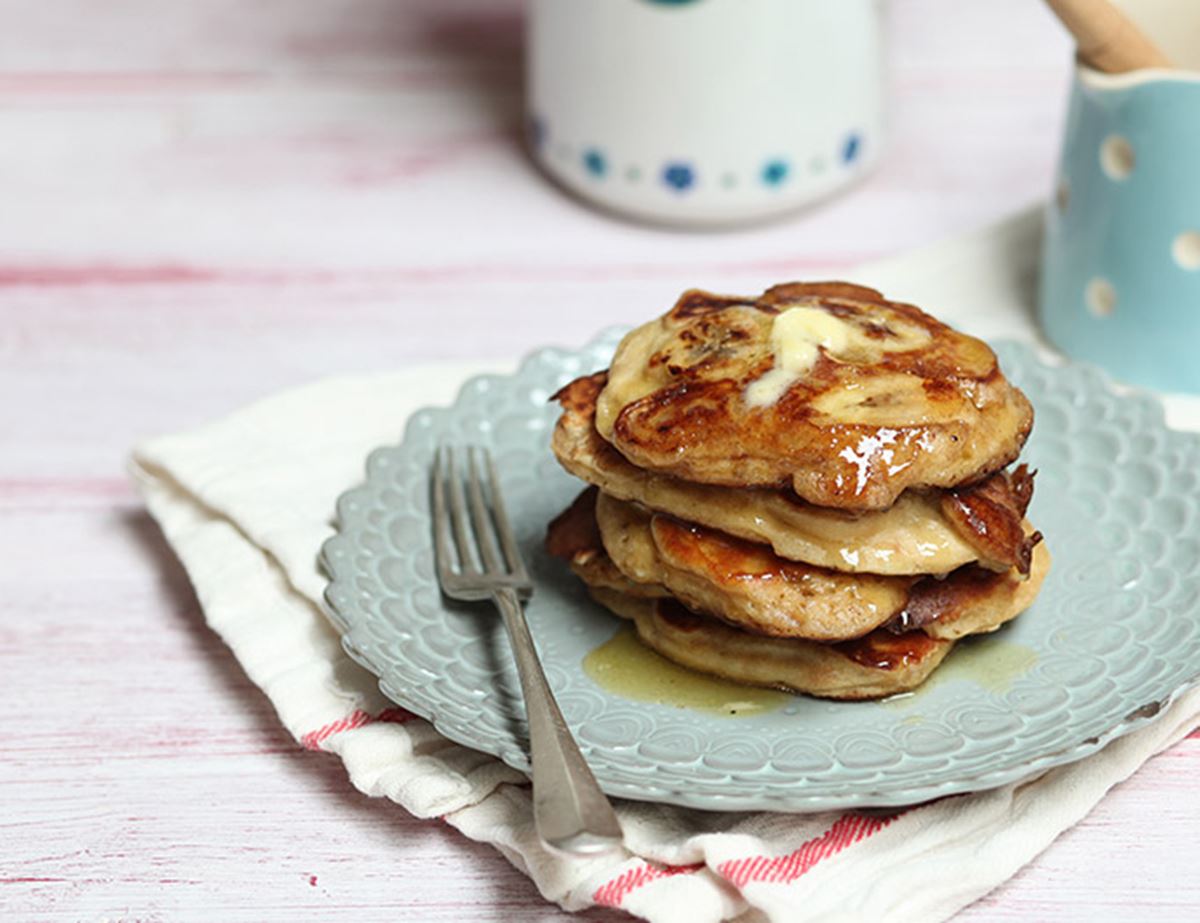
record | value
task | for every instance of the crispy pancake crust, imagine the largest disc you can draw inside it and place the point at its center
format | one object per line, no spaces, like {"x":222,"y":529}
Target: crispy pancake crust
{"x":990,"y":515}
{"x":918,"y":534}
{"x":972,"y":600}
{"x":747,"y":585}
{"x":574,"y":536}
{"x":879,"y":665}
{"x":852,"y":433}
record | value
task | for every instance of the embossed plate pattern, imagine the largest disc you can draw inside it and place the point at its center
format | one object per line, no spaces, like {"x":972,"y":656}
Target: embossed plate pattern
{"x":1114,"y":635}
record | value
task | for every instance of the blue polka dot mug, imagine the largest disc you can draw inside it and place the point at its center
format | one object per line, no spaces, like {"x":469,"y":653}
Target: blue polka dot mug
{"x":704,"y":112}
{"x":1120,"y":281}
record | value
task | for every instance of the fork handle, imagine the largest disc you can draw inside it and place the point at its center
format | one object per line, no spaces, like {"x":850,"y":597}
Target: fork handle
{"x":570,"y":812}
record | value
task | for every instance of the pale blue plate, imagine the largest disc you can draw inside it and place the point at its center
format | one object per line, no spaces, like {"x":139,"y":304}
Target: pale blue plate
{"x":1113,"y":637}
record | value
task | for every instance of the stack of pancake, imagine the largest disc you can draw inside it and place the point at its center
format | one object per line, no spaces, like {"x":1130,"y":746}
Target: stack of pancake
{"x":805,"y":490}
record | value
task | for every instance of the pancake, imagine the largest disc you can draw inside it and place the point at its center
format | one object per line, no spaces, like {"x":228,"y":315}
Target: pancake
{"x":750,"y":587}
{"x":923,"y":532}
{"x":888,"y":660}
{"x":881,"y":664}
{"x":827,"y":388}
{"x":742,"y":583}
{"x":574,"y":536}
{"x":972,"y":601}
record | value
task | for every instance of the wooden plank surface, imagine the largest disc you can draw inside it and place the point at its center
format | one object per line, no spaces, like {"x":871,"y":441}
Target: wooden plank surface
{"x":205,"y":201}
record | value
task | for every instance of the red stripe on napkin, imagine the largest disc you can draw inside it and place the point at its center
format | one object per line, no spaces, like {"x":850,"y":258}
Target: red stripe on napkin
{"x":846,"y":831}
{"x":356,"y":719}
{"x":611,"y":893}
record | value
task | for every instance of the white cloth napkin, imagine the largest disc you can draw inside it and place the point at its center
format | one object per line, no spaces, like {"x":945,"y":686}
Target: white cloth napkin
{"x":247,"y":501}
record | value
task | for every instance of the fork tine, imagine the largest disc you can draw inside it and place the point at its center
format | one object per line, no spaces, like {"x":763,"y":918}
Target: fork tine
{"x":441,"y":528}
{"x":479,"y":515}
{"x":458,"y":518}
{"x":503,"y":529}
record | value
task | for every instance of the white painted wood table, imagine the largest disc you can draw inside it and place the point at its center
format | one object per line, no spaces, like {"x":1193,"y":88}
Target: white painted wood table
{"x":205,"y":201}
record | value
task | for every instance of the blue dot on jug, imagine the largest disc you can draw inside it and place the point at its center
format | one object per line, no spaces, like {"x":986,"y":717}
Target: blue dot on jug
{"x":775,"y":172}
{"x":851,"y":148}
{"x":679,"y":176}
{"x":535,"y":130}
{"x":594,"y":162}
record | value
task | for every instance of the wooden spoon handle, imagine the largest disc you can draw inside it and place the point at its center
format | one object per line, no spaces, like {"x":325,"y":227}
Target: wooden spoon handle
{"x":1108,"y":40}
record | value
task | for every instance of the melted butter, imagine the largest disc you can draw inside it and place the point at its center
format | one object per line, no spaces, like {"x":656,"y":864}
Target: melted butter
{"x":988,"y":662}
{"x":798,"y":335}
{"x":626,"y":667}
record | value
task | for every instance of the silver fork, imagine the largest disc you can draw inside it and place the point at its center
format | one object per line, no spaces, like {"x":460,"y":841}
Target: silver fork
{"x":570,"y":812}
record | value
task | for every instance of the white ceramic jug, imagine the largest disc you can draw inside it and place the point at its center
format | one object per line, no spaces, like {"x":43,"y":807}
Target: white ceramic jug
{"x":704,"y":111}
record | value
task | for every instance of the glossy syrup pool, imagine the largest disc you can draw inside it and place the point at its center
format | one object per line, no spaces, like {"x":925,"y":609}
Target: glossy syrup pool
{"x":990,"y":662}
{"x":624,"y":666}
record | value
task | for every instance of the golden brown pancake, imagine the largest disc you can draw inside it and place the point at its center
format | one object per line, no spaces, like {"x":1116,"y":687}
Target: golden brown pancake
{"x":742,"y":583}
{"x":972,"y":600}
{"x":881,"y":664}
{"x":574,"y":536}
{"x":891,"y":399}
{"x":918,"y":534}
{"x":892,"y":659}
{"x":750,"y":587}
